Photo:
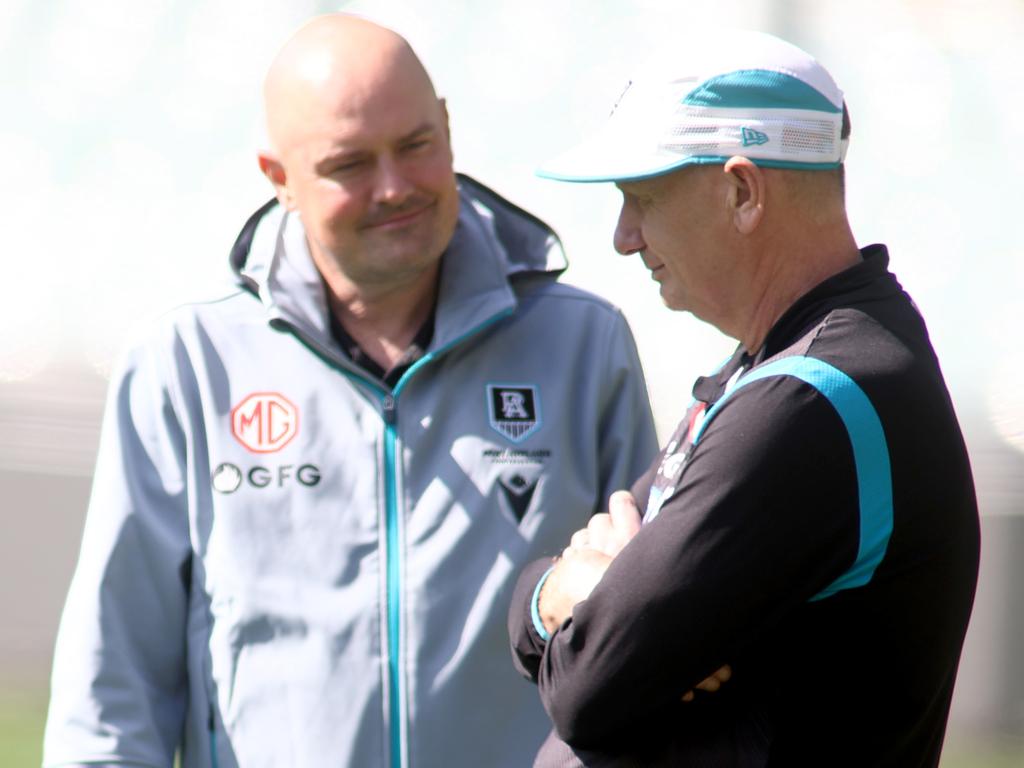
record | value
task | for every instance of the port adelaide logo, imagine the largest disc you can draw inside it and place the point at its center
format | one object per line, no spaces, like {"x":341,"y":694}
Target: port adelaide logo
{"x":513,"y":409}
{"x":264,"y":423}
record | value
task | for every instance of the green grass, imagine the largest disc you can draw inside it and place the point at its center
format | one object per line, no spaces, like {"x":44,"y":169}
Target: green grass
{"x":979,"y":752}
{"x":22,"y":716}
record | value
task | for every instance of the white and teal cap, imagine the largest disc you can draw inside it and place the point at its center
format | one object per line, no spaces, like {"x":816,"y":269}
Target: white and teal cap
{"x":728,"y":93}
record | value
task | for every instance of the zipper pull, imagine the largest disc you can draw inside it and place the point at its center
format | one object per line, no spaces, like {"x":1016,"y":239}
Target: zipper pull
{"x":390,"y":408}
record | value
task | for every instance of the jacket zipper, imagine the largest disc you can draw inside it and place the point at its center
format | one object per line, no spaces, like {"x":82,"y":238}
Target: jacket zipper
{"x":389,"y":414}
{"x":212,"y":725}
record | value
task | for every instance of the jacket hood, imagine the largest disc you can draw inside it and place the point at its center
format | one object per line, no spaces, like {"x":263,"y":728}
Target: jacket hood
{"x":494,"y":243}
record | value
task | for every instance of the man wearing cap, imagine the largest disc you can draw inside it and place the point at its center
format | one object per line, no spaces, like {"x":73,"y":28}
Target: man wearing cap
{"x":812,"y":521}
{"x":313,"y":495}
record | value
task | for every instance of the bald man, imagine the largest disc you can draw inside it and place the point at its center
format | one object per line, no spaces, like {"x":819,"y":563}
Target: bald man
{"x":312,"y":496}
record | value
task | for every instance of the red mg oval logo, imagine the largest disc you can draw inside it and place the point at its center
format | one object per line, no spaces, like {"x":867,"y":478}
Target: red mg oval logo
{"x":264,"y":422}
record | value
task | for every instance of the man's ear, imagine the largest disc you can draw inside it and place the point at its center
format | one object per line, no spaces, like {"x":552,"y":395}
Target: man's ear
{"x":444,"y":117}
{"x":273,"y":169}
{"x":747,"y":193}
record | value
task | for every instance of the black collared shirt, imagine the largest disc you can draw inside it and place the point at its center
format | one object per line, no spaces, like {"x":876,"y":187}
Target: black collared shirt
{"x":415,"y":350}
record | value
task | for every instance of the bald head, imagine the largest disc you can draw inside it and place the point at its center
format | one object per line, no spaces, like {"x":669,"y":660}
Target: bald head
{"x":359,"y":148}
{"x":332,"y":65}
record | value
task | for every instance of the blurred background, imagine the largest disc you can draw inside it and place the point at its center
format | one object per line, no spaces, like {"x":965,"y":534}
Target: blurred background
{"x":128,"y":146}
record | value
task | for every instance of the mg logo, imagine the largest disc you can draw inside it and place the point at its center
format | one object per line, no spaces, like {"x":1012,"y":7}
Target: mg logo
{"x":264,"y":422}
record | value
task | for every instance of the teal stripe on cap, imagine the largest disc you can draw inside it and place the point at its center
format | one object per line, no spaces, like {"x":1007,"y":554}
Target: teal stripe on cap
{"x":759,"y":89}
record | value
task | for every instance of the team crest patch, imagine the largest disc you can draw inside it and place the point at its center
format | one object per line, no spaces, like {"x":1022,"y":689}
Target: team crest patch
{"x":514,"y":409}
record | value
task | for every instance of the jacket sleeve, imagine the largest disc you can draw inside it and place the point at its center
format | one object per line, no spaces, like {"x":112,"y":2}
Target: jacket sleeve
{"x":119,"y":676}
{"x":626,"y":436}
{"x":764,"y":519}
{"x":626,"y":446}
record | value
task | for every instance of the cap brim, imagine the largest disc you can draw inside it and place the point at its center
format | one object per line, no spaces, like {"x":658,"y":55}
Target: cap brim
{"x":611,"y":155}
{"x":602,"y":159}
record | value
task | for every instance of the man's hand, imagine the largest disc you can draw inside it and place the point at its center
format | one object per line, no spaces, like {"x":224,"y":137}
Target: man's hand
{"x":573,"y":579}
{"x":712,"y":683}
{"x":583,"y":563}
{"x":610,"y":531}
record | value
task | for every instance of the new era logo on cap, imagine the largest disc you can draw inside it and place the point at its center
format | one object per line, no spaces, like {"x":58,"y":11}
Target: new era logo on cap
{"x":750,"y":136}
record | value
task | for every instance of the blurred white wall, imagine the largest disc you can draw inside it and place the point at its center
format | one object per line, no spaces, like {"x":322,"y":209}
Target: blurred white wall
{"x":128,"y":149}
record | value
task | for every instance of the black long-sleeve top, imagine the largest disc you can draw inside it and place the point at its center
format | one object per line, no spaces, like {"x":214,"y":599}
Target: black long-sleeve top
{"x":813,"y":523}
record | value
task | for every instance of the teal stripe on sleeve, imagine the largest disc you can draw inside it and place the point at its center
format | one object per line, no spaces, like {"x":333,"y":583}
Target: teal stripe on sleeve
{"x":870,"y":454}
{"x":535,"y":610}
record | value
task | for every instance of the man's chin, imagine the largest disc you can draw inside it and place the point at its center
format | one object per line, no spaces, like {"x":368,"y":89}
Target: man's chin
{"x":400,"y":259}
{"x":670,"y":301}
{"x":408,"y":243}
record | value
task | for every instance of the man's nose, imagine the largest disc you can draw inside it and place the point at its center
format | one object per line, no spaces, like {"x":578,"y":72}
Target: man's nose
{"x":391,"y":185}
{"x":627,"y":238}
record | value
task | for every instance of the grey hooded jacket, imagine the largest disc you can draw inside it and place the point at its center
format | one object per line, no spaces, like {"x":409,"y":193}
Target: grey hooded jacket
{"x":288,"y":563}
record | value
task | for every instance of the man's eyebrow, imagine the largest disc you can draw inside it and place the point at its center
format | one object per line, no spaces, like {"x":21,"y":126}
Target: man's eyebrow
{"x":337,"y":156}
{"x":418,"y":131}
{"x":341,"y":154}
